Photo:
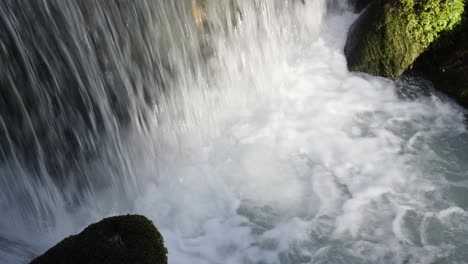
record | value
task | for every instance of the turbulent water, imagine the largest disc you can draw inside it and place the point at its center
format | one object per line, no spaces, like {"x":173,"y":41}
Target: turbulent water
{"x":238,"y":130}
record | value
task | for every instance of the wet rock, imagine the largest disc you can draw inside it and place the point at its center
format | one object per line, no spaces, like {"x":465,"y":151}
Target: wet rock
{"x":359,"y":5}
{"x":212,"y":16}
{"x":115,"y":240}
{"x":446,"y":62}
{"x":390,"y":35}
{"x":199,"y":14}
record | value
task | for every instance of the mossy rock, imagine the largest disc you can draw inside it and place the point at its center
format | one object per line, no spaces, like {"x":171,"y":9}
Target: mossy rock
{"x":446,"y":62}
{"x":390,"y":34}
{"x":116,"y":240}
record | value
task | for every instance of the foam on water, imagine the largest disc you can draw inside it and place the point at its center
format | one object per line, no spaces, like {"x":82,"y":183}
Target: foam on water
{"x":286,"y":157}
{"x":331,"y":167}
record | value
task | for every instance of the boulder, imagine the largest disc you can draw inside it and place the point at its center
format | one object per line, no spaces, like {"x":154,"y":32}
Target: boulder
{"x":115,"y":240}
{"x":446,"y":62}
{"x":391,"y":34}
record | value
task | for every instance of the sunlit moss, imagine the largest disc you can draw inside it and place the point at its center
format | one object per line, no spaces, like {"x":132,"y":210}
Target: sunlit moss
{"x":390,"y":35}
{"x":426,"y":19}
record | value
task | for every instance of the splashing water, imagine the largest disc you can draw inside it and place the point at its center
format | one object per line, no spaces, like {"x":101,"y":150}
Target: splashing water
{"x":243,"y":137}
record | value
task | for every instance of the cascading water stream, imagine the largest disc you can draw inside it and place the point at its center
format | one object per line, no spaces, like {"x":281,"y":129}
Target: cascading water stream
{"x":233,"y":125}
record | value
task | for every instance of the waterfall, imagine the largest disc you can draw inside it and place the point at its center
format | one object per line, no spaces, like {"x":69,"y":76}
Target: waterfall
{"x":234,"y":125}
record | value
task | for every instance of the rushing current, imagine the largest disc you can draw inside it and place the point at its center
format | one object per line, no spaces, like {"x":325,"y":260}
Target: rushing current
{"x":234,"y":125}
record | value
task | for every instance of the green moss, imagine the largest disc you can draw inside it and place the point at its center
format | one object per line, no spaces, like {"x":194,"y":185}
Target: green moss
{"x":115,"y":240}
{"x":390,"y":35}
{"x":426,"y":19}
{"x":445,"y":63}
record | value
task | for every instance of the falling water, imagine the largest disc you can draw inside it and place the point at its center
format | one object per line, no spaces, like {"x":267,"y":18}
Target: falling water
{"x":234,"y":125}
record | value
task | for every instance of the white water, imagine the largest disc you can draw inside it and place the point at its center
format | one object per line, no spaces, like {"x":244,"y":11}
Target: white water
{"x":286,"y":157}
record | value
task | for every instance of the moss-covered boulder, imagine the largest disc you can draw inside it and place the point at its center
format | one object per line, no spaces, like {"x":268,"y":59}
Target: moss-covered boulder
{"x":446,"y":62}
{"x":390,"y":34}
{"x":115,"y":240}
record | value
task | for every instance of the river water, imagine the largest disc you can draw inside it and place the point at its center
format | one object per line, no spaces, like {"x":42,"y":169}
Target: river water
{"x":260,"y":147}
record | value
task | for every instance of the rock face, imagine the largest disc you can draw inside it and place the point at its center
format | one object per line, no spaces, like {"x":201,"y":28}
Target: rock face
{"x":115,"y":240}
{"x":390,"y":34}
{"x":446,"y":62}
{"x":359,"y":5}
